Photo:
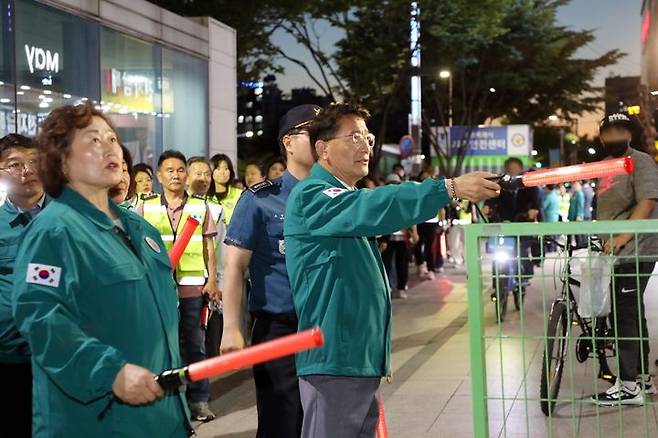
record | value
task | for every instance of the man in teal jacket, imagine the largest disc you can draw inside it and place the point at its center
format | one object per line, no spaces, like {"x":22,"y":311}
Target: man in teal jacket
{"x":21,"y":199}
{"x":336,"y":272}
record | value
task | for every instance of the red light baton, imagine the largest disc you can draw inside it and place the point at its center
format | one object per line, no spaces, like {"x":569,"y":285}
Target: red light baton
{"x":278,"y":348}
{"x":176,"y":251}
{"x":600,"y":169}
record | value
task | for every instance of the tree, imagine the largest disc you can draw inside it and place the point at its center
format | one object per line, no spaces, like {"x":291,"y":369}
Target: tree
{"x":517,"y":64}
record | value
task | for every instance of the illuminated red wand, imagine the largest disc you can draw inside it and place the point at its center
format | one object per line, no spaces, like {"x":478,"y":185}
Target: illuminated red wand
{"x":600,"y":169}
{"x":271,"y":350}
{"x":177,"y":250}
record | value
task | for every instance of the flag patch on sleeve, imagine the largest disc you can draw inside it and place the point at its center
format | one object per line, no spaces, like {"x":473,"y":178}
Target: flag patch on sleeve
{"x":43,"y":274}
{"x":334,"y":191}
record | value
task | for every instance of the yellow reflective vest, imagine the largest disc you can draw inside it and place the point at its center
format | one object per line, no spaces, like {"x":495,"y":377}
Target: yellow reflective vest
{"x":191,"y":270}
{"x":229,"y":202}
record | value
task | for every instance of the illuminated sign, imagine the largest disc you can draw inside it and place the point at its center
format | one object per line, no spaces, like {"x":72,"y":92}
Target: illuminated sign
{"x":135,"y":92}
{"x":41,"y":59}
{"x":646,"y":27}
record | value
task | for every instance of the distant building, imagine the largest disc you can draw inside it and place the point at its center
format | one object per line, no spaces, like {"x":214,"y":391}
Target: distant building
{"x":260,"y":107}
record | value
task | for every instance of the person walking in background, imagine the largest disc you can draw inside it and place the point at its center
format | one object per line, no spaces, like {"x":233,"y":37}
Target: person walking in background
{"x":551,"y":208}
{"x":252,"y":175}
{"x":222,"y":188}
{"x":588,"y":193}
{"x":274,"y":168}
{"x":424,"y":250}
{"x":576,"y":203}
{"x":564,"y":201}
{"x":397,"y":249}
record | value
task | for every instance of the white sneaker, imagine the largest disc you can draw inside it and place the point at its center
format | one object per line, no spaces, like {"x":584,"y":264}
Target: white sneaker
{"x":621,"y":393}
{"x":646,"y":382}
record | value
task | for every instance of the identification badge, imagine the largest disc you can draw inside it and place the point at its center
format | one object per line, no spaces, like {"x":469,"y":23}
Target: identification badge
{"x":153,"y":244}
{"x":45,"y":275}
{"x":282,"y":247}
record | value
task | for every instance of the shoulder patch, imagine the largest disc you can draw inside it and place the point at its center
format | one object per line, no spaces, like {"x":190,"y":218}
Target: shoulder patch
{"x":148,"y":196}
{"x":261,"y":185}
{"x":334,"y":191}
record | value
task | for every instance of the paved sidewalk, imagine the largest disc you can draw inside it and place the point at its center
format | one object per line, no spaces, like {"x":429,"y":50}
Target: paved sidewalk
{"x":431,"y":392}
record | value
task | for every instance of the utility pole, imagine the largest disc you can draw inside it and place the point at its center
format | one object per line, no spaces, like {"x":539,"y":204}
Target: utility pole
{"x":415,"y":118}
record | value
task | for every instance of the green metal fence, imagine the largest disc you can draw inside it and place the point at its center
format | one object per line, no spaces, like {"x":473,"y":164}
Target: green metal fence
{"x":517,"y":361}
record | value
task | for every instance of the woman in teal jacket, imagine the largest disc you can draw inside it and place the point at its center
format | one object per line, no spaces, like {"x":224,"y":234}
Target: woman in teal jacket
{"x":93,"y":295}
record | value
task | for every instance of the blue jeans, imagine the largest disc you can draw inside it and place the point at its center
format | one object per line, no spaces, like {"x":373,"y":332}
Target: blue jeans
{"x":193,"y":348}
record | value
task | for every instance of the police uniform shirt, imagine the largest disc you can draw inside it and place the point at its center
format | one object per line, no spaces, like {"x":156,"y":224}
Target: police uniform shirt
{"x":258,"y":227}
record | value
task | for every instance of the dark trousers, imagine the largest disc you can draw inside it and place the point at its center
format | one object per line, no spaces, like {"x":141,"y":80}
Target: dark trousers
{"x":277,"y":389}
{"x":214,"y":332}
{"x":193,"y":347}
{"x":629,"y":318}
{"x":399,"y":250}
{"x":426,"y":233}
{"x":16,"y":414}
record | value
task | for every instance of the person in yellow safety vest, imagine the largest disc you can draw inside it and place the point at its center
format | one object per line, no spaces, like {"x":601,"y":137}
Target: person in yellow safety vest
{"x":222,"y":188}
{"x":196,"y":274}
{"x":199,"y":178}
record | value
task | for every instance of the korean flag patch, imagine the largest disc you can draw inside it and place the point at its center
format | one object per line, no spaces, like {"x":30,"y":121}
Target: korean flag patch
{"x":334,"y":191}
{"x":43,"y":274}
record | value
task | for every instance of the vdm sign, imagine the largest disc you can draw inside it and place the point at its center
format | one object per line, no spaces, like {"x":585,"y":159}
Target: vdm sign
{"x":40,"y":59}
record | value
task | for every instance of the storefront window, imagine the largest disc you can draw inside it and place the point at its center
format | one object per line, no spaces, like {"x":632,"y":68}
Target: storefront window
{"x":7,"y":108}
{"x":184,"y":103}
{"x":56,"y":62}
{"x":130,"y":93}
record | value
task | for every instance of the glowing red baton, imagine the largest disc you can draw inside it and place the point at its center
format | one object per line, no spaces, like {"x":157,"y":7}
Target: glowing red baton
{"x":271,"y":350}
{"x":600,"y":169}
{"x":176,"y":251}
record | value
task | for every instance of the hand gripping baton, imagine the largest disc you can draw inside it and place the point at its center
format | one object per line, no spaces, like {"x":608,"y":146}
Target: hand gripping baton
{"x":176,"y":251}
{"x":599,"y":169}
{"x":278,"y":348}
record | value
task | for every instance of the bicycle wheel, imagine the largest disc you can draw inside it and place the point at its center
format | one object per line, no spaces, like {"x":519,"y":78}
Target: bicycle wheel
{"x":553,"y":358}
{"x":501,"y":302}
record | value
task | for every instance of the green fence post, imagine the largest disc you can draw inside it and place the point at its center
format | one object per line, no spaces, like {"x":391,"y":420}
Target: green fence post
{"x":476,"y":332}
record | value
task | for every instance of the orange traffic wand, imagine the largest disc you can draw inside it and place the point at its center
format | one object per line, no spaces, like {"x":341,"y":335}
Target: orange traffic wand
{"x":599,"y":169}
{"x":177,"y":250}
{"x":267,"y":351}
{"x":382,"y":430}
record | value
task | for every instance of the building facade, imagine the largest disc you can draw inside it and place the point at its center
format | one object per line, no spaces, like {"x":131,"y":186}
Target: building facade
{"x":165,"y":81}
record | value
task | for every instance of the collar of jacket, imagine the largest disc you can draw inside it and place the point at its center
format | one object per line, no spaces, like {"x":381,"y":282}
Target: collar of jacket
{"x":76,"y":201}
{"x":320,"y":172}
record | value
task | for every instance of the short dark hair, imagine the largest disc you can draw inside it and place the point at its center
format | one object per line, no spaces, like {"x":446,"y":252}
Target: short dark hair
{"x":515,"y":160}
{"x":198,"y":159}
{"x":325,"y":125}
{"x":142,"y":167}
{"x":271,"y":162}
{"x":12,"y":141}
{"x":54,"y":141}
{"x":398,"y":166}
{"x":171,"y":154}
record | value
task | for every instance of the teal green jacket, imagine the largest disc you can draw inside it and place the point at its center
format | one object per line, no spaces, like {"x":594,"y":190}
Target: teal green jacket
{"x":336,"y":272}
{"x":13,"y":347}
{"x":577,"y":206}
{"x":87,"y":305}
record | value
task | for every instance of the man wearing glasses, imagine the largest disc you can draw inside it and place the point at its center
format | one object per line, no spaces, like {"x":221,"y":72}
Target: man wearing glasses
{"x":337,"y":275}
{"x":21,"y":198}
{"x":255,"y":242}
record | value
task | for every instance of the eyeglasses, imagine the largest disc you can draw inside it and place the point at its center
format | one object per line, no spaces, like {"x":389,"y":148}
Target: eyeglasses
{"x":18,"y":167}
{"x":359,"y":138}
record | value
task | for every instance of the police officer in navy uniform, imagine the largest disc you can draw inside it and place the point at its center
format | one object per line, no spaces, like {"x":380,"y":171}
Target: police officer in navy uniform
{"x":255,"y":241}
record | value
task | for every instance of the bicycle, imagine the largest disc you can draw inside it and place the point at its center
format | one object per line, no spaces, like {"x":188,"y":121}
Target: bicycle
{"x":564,"y":314}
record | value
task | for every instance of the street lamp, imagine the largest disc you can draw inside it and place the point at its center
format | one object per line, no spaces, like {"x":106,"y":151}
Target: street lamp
{"x":445,"y":74}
